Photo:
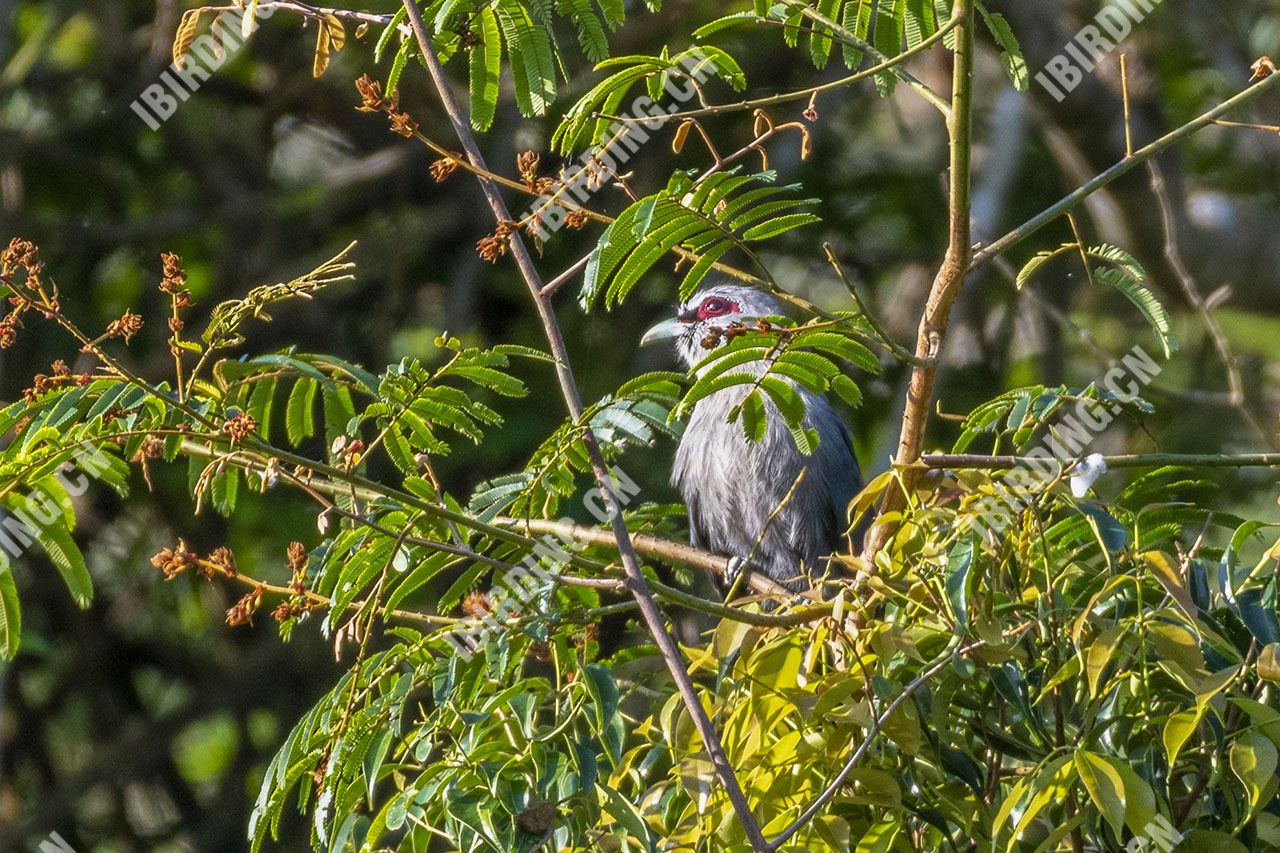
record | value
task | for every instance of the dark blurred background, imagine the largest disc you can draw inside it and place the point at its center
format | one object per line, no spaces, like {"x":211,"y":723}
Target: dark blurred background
{"x":144,"y":723}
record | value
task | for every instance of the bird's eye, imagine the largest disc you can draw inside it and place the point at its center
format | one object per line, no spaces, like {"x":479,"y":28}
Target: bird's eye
{"x":715,"y":306}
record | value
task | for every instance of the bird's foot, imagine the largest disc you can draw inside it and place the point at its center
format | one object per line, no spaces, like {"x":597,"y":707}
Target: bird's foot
{"x":735,"y":575}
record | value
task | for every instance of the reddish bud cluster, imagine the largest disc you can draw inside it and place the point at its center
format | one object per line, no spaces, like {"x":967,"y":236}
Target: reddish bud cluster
{"x":495,"y":245}
{"x":175,"y":561}
{"x":737,"y":330}
{"x":221,"y":558}
{"x":20,"y":254}
{"x":126,"y":327}
{"x":527,"y":165}
{"x":444,"y":167}
{"x":372,"y":100}
{"x":477,"y":605}
{"x":242,"y":611}
{"x":240,"y":427}
{"x":62,"y":376}
{"x":174,"y":281}
{"x":296,"y":558}
{"x":152,"y":447}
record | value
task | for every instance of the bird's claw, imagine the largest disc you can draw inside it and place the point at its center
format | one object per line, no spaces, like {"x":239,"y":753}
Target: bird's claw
{"x":735,"y":573}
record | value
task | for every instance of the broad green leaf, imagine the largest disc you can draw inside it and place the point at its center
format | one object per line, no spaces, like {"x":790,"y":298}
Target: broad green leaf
{"x":1105,"y":787}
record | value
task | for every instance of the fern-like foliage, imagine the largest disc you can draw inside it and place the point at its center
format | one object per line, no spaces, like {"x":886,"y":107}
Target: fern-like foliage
{"x":773,"y":366}
{"x":881,"y":29}
{"x":1020,"y":416}
{"x":637,"y":414}
{"x":1120,"y":270}
{"x":522,"y":32}
{"x":414,"y":403}
{"x":591,"y":121}
{"x":705,"y":220}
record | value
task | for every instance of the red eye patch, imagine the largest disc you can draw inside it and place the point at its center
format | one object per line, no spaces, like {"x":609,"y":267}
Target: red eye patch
{"x":716,"y":306}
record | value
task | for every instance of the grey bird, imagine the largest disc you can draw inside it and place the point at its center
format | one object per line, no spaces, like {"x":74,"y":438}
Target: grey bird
{"x":732,"y":485}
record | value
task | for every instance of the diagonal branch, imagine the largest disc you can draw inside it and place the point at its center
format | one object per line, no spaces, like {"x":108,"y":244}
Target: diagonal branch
{"x":1140,"y":156}
{"x":950,"y":277}
{"x":876,"y":725}
{"x":636,"y":582}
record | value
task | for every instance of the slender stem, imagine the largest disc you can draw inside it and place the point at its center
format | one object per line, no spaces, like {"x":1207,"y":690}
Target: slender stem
{"x":1202,"y":306}
{"x":639,"y":587}
{"x":876,"y":725}
{"x":1142,"y":155}
{"x":651,"y":546}
{"x":1124,"y":91}
{"x":314,"y":12}
{"x":956,"y":461}
{"x":842,"y":34}
{"x":324,"y":601}
{"x":885,"y":64}
{"x":899,"y":351}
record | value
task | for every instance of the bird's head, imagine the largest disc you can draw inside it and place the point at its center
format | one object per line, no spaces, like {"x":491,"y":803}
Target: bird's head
{"x":715,"y":307}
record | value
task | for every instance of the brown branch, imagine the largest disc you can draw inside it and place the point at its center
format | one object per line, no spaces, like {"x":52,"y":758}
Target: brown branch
{"x":639,"y":587}
{"x":947,"y":284}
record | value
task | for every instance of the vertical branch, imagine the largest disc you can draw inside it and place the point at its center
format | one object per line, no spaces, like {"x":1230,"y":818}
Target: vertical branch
{"x":636,"y":582}
{"x":950,"y":277}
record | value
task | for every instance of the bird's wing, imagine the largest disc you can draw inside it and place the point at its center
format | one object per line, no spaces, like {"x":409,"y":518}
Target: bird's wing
{"x":838,"y":470}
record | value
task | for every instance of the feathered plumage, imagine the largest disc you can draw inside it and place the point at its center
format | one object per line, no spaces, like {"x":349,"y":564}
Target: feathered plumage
{"x":732,"y":485}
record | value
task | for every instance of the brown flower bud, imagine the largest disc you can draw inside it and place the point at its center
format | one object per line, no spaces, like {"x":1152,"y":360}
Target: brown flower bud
{"x":371,"y":97}
{"x":403,"y":124}
{"x":296,"y":556}
{"x":444,"y":167}
{"x":527,"y":165}
{"x":175,"y":277}
{"x":20,"y":253}
{"x":491,"y":248}
{"x":152,"y":447}
{"x":126,"y":327}
{"x":174,"y":561}
{"x":240,"y":427}
{"x":476,"y":605}
{"x":223,"y":558}
{"x":242,"y":611}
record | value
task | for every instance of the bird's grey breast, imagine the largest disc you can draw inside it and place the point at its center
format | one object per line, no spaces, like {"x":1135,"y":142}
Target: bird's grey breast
{"x":733,"y":485}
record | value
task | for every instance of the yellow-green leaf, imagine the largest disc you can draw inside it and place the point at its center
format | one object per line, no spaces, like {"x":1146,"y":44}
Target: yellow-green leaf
{"x":1105,"y":787}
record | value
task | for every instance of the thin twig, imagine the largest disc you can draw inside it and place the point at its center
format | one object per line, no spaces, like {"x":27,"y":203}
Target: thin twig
{"x":1235,"y":385}
{"x":636,"y":582}
{"x":1124,"y":91}
{"x":977,"y":461}
{"x":899,"y":351}
{"x":1142,"y":155}
{"x":876,"y":725}
{"x":810,"y":93}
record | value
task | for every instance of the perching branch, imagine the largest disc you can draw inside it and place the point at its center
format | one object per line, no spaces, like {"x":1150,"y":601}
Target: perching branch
{"x":639,"y":587}
{"x":979,"y":461}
